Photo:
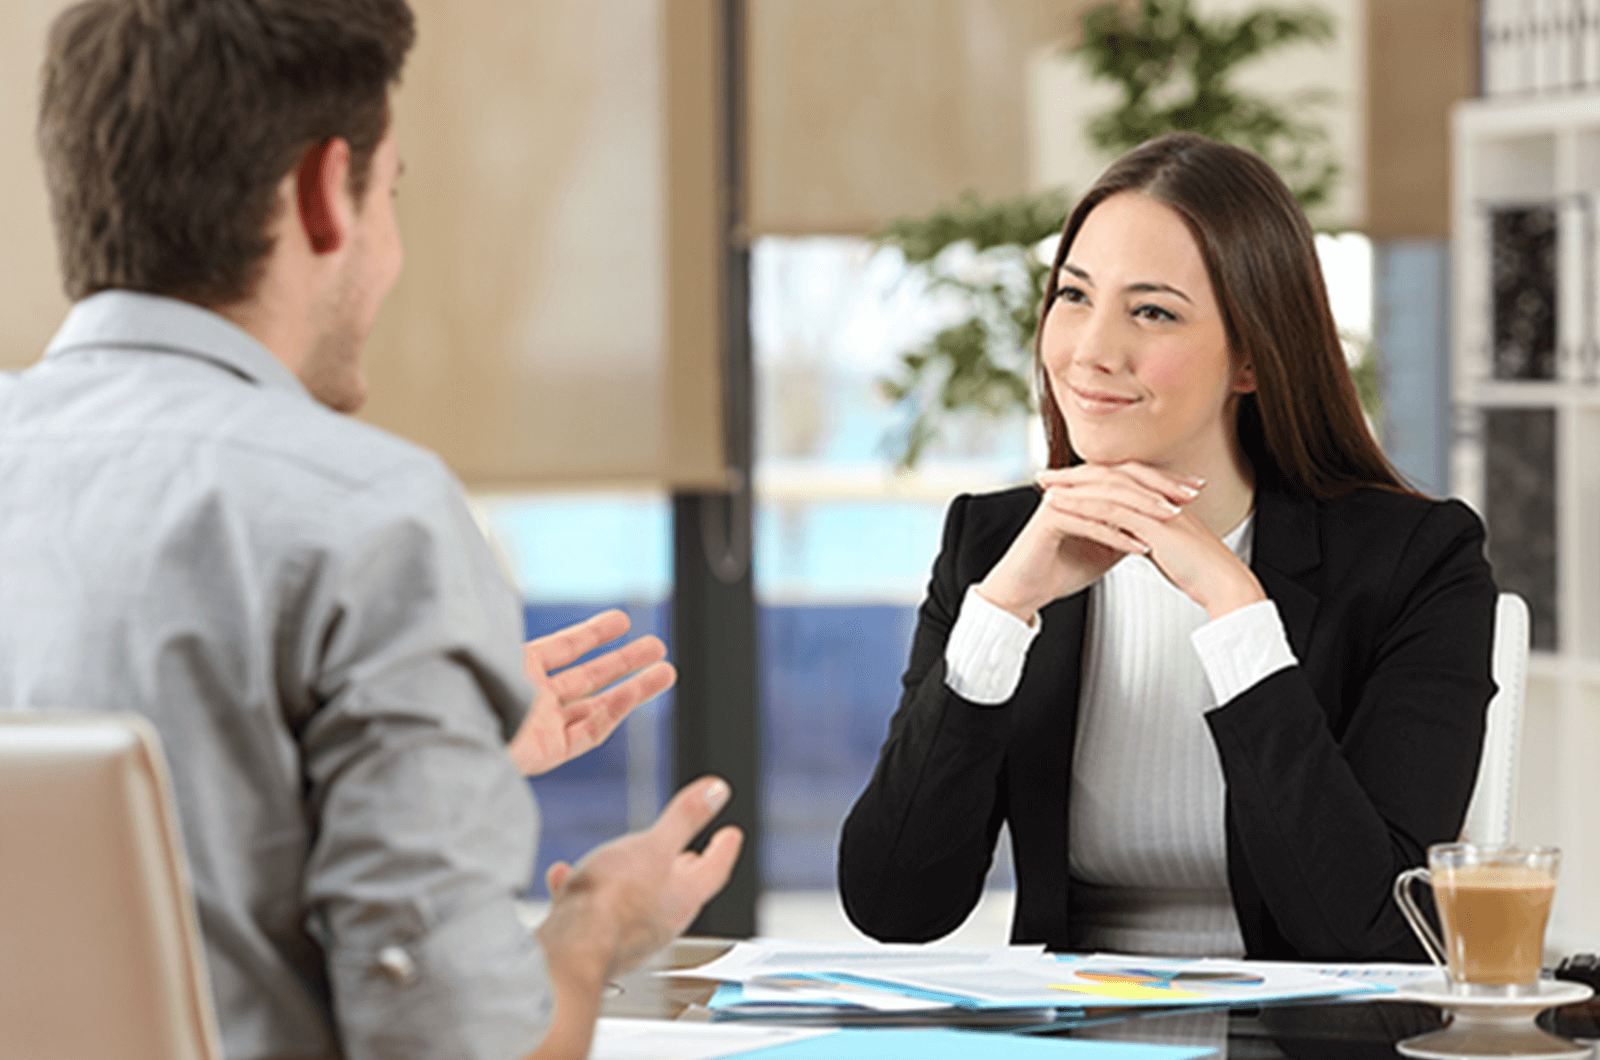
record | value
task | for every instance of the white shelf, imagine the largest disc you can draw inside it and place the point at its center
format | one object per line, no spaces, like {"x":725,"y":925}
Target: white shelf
{"x":1531,"y":394}
{"x":1511,"y":151}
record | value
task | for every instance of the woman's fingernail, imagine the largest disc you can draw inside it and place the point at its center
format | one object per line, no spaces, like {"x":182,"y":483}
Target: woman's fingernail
{"x":1172,"y":509}
{"x":1190,"y":490}
{"x":1197,"y":480}
{"x":717,"y":794}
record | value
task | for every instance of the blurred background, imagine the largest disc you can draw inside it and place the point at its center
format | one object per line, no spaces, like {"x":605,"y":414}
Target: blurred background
{"x":715,"y":304}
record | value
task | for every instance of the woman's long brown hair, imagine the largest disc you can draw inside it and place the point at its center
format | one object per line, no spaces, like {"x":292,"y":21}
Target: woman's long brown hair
{"x":1303,"y":426}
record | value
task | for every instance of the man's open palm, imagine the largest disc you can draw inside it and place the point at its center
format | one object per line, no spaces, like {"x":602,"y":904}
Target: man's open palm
{"x":570,"y":713}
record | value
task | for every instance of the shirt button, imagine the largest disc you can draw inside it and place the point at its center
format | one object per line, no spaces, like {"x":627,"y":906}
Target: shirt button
{"x":396,"y":965}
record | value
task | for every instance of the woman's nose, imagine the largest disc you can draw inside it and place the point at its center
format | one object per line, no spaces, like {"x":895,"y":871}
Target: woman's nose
{"x":1098,"y":345}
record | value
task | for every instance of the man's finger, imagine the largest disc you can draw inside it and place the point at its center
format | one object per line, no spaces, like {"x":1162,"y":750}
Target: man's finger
{"x":707,"y":873}
{"x":581,"y":680}
{"x":690,"y":810}
{"x":557,"y":649}
{"x":695,"y":878}
{"x":616,"y":701}
{"x":588,"y":722}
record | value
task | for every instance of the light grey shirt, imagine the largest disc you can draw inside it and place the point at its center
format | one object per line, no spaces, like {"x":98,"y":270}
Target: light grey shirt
{"x":305,"y":609}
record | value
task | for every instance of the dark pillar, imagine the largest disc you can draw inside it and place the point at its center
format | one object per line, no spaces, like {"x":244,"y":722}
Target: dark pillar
{"x":716,"y":706}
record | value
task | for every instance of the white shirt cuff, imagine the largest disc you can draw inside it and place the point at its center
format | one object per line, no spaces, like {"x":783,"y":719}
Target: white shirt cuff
{"x":987,"y":647}
{"x":1242,"y":648}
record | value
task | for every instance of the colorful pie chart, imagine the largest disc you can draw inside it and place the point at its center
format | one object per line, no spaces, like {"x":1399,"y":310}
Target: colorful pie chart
{"x":1171,"y":980}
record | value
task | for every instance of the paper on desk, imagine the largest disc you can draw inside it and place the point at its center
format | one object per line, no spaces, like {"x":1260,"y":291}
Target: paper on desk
{"x":1384,"y":976}
{"x":946,"y":1044}
{"x":1117,"y":980}
{"x":762,"y":958}
{"x":798,"y":990}
{"x":616,"y":1039}
{"x":624,"y":1039}
{"x":730,"y":1002}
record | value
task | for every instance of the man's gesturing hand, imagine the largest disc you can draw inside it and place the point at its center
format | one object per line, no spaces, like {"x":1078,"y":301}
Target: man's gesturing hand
{"x":645,"y":887}
{"x":624,"y":901}
{"x":570,"y":714}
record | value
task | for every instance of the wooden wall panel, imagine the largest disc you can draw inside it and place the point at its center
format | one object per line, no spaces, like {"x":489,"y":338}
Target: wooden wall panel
{"x":866,"y":110}
{"x":1422,"y":58}
{"x":31,"y":302}
{"x":555,"y":212}
{"x":558,"y":319}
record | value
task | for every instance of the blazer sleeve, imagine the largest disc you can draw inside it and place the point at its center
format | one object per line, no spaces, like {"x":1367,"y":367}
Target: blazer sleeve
{"x":1328,"y":802}
{"x":916,"y":847}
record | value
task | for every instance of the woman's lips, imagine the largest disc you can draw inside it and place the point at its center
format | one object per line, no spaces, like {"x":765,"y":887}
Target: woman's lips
{"x":1100,"y":401}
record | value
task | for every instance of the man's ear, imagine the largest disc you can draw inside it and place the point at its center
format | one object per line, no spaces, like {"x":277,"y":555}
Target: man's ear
{"x":324,"y":201}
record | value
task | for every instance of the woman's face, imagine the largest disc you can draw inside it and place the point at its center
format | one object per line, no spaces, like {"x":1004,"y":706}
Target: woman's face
{"x":1134,"y":342}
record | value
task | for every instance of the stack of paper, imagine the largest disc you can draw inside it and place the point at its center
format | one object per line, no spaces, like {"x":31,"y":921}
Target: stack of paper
{"x":849,"y":983}
{"x":1015,"y":985}
{"x":661,"y":1040}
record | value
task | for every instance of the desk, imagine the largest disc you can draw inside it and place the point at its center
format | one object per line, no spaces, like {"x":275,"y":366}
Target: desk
{"x":1355,"y":1030}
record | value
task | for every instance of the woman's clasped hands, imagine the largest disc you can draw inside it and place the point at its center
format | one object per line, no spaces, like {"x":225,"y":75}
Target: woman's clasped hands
{"x":1094,"y":515}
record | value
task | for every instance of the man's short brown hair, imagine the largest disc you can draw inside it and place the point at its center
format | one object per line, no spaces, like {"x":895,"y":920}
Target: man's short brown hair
{"x":167,"y":125}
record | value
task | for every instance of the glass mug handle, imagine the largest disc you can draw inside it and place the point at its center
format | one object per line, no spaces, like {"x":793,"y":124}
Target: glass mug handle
{"x":1413,"y":915}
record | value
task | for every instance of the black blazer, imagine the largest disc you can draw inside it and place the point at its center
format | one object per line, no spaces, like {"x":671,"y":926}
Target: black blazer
{"x":1340,"y":771}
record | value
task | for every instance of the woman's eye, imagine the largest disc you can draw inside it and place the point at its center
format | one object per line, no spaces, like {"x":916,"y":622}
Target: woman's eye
{"x":1148,"y":311}
{"x":1071,"y":294}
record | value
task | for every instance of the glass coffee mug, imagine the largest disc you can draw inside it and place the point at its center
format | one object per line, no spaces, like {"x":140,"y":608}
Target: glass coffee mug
{"x":1493,"y":904}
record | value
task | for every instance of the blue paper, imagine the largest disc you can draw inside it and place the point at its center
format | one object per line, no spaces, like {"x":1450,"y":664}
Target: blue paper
{"x":727,"y":994}
{"x":946,"y":1044}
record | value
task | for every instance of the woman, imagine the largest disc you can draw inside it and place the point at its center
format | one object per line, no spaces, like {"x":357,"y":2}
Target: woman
{"x":1222,"y":675}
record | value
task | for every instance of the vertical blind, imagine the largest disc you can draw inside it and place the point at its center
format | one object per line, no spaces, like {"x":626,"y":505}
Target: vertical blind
{"x":1422,"y":58}
{"x":31,"y":302}
{"x":559,"y":317}
{"x":556,"y":321}
{"x":866,"y":110}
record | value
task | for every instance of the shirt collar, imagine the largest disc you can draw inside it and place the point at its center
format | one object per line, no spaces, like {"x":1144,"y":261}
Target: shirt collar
{"x":130,"y":320}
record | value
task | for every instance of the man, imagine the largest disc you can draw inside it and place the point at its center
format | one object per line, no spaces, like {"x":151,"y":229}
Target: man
{"x":299,"y":602}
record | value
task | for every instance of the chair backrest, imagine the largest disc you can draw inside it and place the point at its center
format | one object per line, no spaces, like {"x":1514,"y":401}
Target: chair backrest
{"x":99,"y":949}
{"x":1494,"y":796}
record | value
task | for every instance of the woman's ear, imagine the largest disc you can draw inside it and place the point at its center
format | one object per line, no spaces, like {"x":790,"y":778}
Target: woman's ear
{"x":1244,"y":378}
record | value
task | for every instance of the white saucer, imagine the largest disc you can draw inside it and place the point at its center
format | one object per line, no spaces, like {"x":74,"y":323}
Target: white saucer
{"x":1552,"y":992}
{"x":1474,"y":1040}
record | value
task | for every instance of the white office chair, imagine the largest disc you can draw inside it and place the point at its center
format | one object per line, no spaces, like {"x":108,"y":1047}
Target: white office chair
{"x":99,"y":948}
{"x":1494,"y":795}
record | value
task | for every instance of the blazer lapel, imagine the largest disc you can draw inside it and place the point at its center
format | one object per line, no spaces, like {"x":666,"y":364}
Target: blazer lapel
{"x":1287,"y":547}
{"x":1038,"y":773}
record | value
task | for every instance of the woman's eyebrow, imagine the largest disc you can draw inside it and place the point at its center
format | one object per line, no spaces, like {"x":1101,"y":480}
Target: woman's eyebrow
{"x":1150,"y":287}
{"x":1160,"y":288}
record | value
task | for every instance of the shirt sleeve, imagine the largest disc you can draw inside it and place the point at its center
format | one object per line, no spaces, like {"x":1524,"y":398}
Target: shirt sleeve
{"x":987,"y":649}
{"x":1243,"y":648}
{"x":424,"y":829}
